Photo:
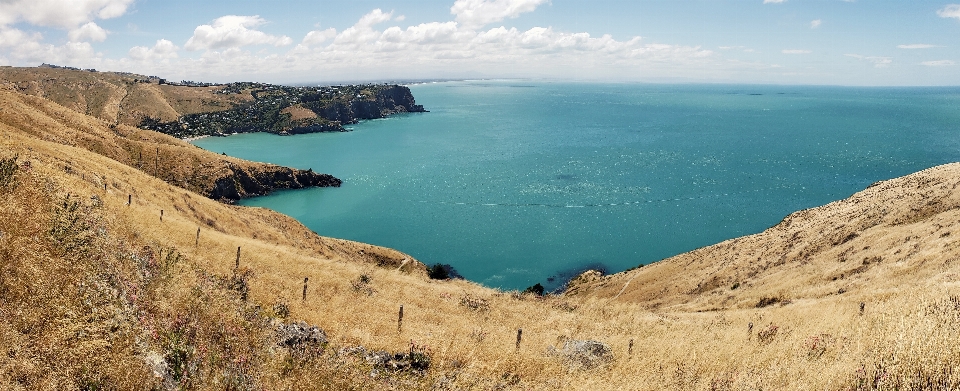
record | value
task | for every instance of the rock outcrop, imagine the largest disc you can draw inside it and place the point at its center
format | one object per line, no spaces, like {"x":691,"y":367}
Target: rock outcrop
{"x":298,"y":336}
{"x":244,"y":183}
{"x":584,"y":354}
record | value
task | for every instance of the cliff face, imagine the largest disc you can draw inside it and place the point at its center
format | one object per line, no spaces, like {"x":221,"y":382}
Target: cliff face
{"x":391,"y":100}
{"x":292,"y":110}
{"x":244,"y":183}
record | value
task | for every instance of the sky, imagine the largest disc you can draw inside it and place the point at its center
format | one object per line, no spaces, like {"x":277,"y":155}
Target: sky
{"x":822,"y":42}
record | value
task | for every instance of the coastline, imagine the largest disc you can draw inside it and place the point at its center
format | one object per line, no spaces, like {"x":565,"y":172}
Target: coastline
{"x":195,"y":138}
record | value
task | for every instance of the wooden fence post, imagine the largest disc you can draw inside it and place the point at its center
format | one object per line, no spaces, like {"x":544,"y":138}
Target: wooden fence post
{"x":129,"y":199}
{"x":237,"y":266}
{"x":519,"y":336}
{"x":400,"y":320}
{"x":630,"y":349}
{"x":305,"y":288}
{"x":161,"y":215}
{"x":197,"y":243}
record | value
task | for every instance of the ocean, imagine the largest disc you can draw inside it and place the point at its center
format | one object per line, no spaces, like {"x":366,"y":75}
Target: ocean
{"x":515,"y":182}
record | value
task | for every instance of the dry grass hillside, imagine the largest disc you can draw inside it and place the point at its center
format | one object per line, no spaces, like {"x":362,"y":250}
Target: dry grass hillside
{"x":99,"y":294}
{"x":895,"y":237}
{"x":118,"y":98}
{"x":165,"y":157}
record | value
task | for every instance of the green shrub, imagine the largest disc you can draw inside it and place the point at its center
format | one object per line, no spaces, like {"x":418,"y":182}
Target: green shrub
{"x":438,"y":272}
{"x":536,"y":289}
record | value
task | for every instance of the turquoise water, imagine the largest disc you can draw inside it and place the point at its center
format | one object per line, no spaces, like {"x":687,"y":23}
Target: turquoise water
{"x":515,"y":183}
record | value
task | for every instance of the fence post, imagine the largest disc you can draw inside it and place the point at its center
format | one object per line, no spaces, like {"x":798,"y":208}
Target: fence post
{"x":400,"y":320}
{"x":305,"y":288}
{"x":197,"y":243}
{"x":161,"y":215}
{"x":630,"y":349}
{"x":237,"y":266}
{"x":129,"y":199}
{"x":519,"y":337}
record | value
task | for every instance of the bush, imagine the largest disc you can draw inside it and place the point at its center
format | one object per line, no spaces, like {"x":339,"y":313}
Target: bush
{"x":438,"y":272}
{"x":536,"y":289}
{"x":442,"y":271}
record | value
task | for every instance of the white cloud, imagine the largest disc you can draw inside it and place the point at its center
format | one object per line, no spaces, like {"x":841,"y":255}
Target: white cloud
{"x":473,"y":14}
{"x":938,"y":63}
{"x":815,"y":23}
{"x":773,"y":1}
{"x":317,"y":37}
{"x":422,"y":34}
{"x":233,"y":31}
{"x":363,"y":30}
{"x":13,"y":37}
{"x":440,"y":48}
{"x":795,"y":51}
{"x":877,"y":61}
{"x":20,"y":47}
{"x":950,"y":11}
{"x":162,"y":50}
{"x":60,"y":13}
{"x":916,"y":46}
{"x":88,"y":32}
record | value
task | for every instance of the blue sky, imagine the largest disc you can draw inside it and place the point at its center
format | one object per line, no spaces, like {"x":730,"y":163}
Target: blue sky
{"x":837,"y":42}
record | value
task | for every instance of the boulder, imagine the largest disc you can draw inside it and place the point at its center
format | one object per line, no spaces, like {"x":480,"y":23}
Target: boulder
{"x":585,"y":354}
{"x":299,"y":336}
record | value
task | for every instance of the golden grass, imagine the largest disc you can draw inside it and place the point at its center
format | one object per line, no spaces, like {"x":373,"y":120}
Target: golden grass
{"x":105,"y":310}
{"x":298,"y":112}
{"x":117,"y":98}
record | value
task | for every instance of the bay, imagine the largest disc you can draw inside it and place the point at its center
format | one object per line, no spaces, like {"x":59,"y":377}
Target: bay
{"x":520,"y":182}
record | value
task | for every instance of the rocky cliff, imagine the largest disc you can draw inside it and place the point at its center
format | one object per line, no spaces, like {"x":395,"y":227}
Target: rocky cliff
{"x":291,"y":110}
{"x":249,"y":182}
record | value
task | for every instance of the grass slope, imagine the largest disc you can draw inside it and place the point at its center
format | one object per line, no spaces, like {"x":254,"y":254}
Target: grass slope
{"x":98,"y":294}
{"x":162,"y":156}
{"x":118,"y":98}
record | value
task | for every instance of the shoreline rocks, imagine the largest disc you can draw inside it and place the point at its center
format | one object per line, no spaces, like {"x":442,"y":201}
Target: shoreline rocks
{"x":242,"y":183}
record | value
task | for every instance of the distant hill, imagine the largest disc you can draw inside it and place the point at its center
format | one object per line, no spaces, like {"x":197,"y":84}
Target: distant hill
{"x":190,"y":109}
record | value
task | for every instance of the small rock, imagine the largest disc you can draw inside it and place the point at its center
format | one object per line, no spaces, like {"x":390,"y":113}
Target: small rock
{"x":299,"y":335}
{"x":584,"y":354}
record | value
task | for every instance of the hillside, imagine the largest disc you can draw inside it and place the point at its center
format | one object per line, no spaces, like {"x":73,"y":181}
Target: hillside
{"x":165,"y":157}
{"x":191,"y":109}
{"x":99,"y":294}
{"x":895,"y":237}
